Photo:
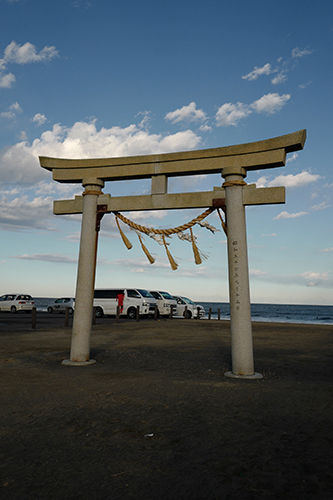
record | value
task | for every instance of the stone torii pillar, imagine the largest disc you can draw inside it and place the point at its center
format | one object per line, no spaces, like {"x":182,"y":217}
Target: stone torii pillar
{"x":238,"y":270}
{"x":80,"y":346}
{"x":232,"y":162}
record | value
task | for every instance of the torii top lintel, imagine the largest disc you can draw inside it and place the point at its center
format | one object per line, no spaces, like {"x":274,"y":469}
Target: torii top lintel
{"x":269,"y":153}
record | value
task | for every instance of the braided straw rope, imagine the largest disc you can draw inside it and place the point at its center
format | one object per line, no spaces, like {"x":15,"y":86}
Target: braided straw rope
{"x":234,"y":183}
{"x":167,"y":232}
{"x":92,"y":191}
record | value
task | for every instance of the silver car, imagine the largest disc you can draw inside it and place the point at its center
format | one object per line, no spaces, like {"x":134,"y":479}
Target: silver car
{"x":60,"y":305}
{"x":14,"y":302}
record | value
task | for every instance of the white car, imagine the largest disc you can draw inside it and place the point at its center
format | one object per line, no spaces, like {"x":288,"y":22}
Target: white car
{"x":164,"y":301}
{"x":60,"y":305}
{"x":14,"y":302}
{"x":192,"y":308}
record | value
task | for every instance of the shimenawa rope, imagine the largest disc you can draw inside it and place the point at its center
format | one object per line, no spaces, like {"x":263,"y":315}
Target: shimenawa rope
{"x":160,"y":234}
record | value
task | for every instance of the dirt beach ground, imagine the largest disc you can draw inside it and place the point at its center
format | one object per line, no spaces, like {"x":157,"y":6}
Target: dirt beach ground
{"x":155,"y":418}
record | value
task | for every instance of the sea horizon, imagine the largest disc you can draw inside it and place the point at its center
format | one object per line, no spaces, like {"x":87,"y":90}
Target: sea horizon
{"x":262,"y":312}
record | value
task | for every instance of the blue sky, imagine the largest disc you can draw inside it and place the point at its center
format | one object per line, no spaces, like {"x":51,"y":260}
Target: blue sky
{"x":82,"y":79}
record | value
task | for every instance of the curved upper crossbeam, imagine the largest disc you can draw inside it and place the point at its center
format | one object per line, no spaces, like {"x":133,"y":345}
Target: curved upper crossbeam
{"x":251,"y":156}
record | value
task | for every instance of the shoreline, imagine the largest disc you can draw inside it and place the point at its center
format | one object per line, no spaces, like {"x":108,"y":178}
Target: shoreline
{"x":286,"y":313}
{"x":274,"y":321}
{"x":22,"y":321}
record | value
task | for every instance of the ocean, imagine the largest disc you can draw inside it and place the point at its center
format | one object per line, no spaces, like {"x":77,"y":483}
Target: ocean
{"x":276,"y":313}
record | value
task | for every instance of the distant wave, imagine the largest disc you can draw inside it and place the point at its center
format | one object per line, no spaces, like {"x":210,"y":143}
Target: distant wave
{"x":277,"y":313}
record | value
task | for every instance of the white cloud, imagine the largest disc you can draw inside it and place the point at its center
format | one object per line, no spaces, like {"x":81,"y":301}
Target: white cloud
{"x":327,"y":250}
{"x":278,"y":79}
{"x":293,"y":157}
{"x":253,"y":75}
{"x":314,"y":276}
{"x":180,"y":141}
{"x":317,"y":279}
{"x":256,"y":272}
{"x":205,"y":128}
{"x":321,"y":206}
{"x":230,"y":114}
{"x":188,"y":113}
{"x":58,"y":189}
{"x":143,"y":262}
{"x":13,"y":109}
{"x":39,"y":118}
{"x":261,"y":182}
{"x":48,"y":257}
{"x":21,"y":213}
{"x":155,"y":214}
{"x":286,"y":215}
{"x":298,"y":180}
{"x":27,"y":53}
{"x":22,"y":54}
{"x":7,"y":80}
{"x":308,"y":278}
{"x":7,"y":114}
{"x":74,"y":236}
{"x":304,"y":85}
{"x":270,"y":103}
{"x":290,"y":180}
{"x":281,"y":70}
{"x":300,"y":53}
{"x":19,"y":163}
{"x":85,"y":4}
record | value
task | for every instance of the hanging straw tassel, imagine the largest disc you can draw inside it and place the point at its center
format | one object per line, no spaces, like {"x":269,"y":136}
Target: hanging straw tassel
{"x":145,"y":249}
{"x":197,"y":258}
{"x":123,"y":235}
{"x":224,"y":226}
{"x":173,"y":264}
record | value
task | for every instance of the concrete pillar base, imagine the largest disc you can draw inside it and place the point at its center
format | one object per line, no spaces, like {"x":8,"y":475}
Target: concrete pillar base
{"x":68,"y":362}
{"x":250,"y":377}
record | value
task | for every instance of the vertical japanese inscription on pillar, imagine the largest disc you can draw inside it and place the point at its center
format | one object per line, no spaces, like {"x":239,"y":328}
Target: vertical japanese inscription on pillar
{"x":235,"y":251}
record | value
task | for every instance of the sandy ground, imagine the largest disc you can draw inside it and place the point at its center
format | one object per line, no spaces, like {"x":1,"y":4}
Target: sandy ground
{"x":155,"y":418}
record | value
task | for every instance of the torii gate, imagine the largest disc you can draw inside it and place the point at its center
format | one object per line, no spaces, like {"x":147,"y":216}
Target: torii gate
{"x":232,"y":162}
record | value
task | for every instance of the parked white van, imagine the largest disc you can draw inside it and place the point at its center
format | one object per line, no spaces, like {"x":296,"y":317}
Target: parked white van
{"x":105,"y":301}
{"x":164,"y":301}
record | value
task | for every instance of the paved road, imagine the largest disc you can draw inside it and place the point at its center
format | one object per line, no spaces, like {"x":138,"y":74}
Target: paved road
{"x":23,"y":320}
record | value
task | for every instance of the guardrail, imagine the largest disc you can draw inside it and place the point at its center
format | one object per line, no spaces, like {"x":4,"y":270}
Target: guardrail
{"x":34,"y":318}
